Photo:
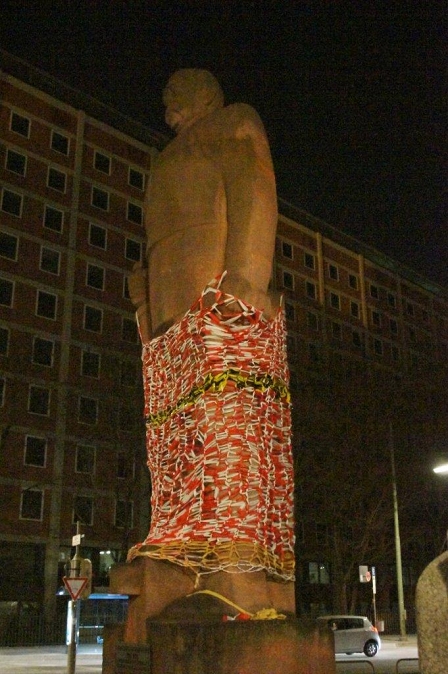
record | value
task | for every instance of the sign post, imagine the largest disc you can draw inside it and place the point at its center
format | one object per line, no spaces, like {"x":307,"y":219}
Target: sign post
{"x":374,"y":595}
{"x":75,"y":584}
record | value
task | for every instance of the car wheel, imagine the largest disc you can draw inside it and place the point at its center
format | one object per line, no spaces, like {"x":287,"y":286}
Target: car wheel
{"x":371,"y":649}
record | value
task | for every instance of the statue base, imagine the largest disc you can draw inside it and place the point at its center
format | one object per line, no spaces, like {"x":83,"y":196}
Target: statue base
{"x":292,"y":646}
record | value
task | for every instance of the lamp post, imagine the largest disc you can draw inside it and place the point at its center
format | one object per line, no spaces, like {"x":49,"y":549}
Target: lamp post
{"x":401,"y":609}
{"x":442,"y":469}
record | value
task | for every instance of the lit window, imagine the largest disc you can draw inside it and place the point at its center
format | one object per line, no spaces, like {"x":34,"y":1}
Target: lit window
{"x":8,"y":246}
{"x":90,"y":364}
{"x":100,"y":198}
{"x":83,"y":510}
{"x":129,"y":331}
{"x":134,"y":213}
{"x":4,"y":341}
{"x":95,"y":277}
{"x":310,"y":289}
{"x":287,"y":250}
{"x":6,"y":292}
{"x":35,"y":451}
{"x":12,"y":203}
{"x":20,"y":124}
{"x":374,"y":291}
{"x":87,"y":411}
{"x":31,"y":504}
{"x":43,"y":351}
{"x":333,"y":272}
{"x":353,"y":281}
{"x":59,"y":143}
{"x":16,"y":162}
{"x":133,"y":250}
{"x":46,"y":305}
{"x":288,"y":280}
{"x":102,"y":162}
{"x":318,"y":572}
{"x":124,"y":514}
{"x":85,"y":459}
{"x":53,"y":219}
{"x":136,"y":179}
{"x":97,"y":236}
{"x":93,"y":319}
{"x":56,"y":179}
{"x":39,"y":400}
{"x":49,"y":260}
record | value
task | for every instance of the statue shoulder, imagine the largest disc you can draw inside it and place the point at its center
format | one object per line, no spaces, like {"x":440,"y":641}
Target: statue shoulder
{"x":241,"y":116}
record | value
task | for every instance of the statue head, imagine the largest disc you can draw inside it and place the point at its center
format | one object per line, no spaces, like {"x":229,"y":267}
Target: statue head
{"x":191,"y":93}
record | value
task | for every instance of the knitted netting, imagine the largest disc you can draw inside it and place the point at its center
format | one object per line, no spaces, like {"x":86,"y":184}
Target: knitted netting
{"x":218,"y":441}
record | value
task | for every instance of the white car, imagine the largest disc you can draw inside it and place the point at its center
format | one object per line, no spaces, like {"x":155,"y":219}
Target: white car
{"x":352,"y":634}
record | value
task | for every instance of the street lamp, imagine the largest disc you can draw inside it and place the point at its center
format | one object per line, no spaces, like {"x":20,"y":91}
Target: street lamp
{"x":441,"y":468}
{"x":401,"y":608}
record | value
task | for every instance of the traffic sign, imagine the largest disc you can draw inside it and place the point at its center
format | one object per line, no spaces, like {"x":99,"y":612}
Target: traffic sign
{"x":75,"y":586}
{"x":368,"y":576}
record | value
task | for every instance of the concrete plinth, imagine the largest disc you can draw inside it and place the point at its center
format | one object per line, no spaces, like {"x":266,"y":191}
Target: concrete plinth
{"x":254,"y":647}
{"x":432,"y":616}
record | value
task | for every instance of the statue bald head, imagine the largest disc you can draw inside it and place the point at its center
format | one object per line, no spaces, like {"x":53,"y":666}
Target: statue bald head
{"x":191,"y":93}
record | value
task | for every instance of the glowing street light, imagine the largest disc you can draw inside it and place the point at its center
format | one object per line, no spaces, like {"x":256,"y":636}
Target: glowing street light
{"x":441,"y":469}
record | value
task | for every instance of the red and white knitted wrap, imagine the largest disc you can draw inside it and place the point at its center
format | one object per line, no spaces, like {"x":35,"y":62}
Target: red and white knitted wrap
{"x":218,"y":441}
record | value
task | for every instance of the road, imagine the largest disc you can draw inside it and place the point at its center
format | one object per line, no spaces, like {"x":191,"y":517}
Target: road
{"x":53,"y":660}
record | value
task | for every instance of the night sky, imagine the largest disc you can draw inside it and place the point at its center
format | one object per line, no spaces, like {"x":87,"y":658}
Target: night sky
{"x":352,"y":94}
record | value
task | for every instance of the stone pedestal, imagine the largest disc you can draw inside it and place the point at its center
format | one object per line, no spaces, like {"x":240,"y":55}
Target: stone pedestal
{"x":254,"y":647}
{"x":432,"y":617}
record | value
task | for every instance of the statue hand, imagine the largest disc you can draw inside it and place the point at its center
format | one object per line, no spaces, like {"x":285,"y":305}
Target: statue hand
{"x":138,"y":285}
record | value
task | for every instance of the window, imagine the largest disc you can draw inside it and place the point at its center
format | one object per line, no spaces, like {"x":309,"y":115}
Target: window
{"x":378,"y":347}
{"x":410,"y":309}
{"x":318,"y":573}
{"x":46,"y":305}
{"x":9,"y":245}
{"x":356,"y":339}
{"x":132,"y":250}
{"x":287,"y":250}
{"x":314,"y":353}
{"x":59,"y":142}
{"x":391,"y":300}
{"x":129,"y":331}
{"x":49,"y":260}
{"x":100,"y":199}
{"x":102,"y":162}
{"x":393,"y":326}
{"x":16,"y":162}
{"x":376,"y":318}
{"x":83,"y":510}
{"x":353,"y":281}
{"x":12,"y":203}
{"x":93,"y":319}
{"x":53,"y":218}
{"x":333,"y":272}
{"x":6,"y":292}
{"x":31,"y":504}
{"x":336,"y":330}
{"x":309,"y":260}
{"x":20,"y":124}
{"x":290,"y":311}
{"x":90,"y":364}
{"x":39,"y":400}
{"x":354,"y":309}
{"x":56,"y":179}
{"x":95,"y":277}
{"x":310,"y":289}
{"x":134,"y":213}
{"x":35,"y":451}
{"x":97,"y":236}
{"x":335,"y":301}
{"x":374,"y":291}
{"x":124,"y":514}
{"x":136,"y":179}
{"x":43,"y":350}
{"x":126,"y":294}
{"x":85,"y":459}
{"x":288,"y":280}
{"x":87,"y":411}
{"x":312,"y":321}
{"x":122,"y":465}
{"x":4,"y":341}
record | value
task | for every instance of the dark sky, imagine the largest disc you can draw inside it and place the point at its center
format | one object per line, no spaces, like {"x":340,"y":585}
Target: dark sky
{"x":352,"y":94}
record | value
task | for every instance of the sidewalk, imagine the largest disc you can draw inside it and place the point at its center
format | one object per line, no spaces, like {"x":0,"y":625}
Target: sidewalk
{"x":50,"y":660}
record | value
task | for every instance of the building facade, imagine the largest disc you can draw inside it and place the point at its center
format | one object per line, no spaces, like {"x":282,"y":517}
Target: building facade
{"x":72,"y":181}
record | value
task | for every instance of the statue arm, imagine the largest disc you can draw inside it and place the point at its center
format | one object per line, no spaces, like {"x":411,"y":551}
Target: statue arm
{"x":138,"y":292}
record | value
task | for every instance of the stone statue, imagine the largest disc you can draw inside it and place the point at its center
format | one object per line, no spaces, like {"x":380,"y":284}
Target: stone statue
{"x":214,"y":369}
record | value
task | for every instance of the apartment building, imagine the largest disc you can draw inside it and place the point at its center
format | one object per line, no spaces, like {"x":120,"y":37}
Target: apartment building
{"x":73,"y":174}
